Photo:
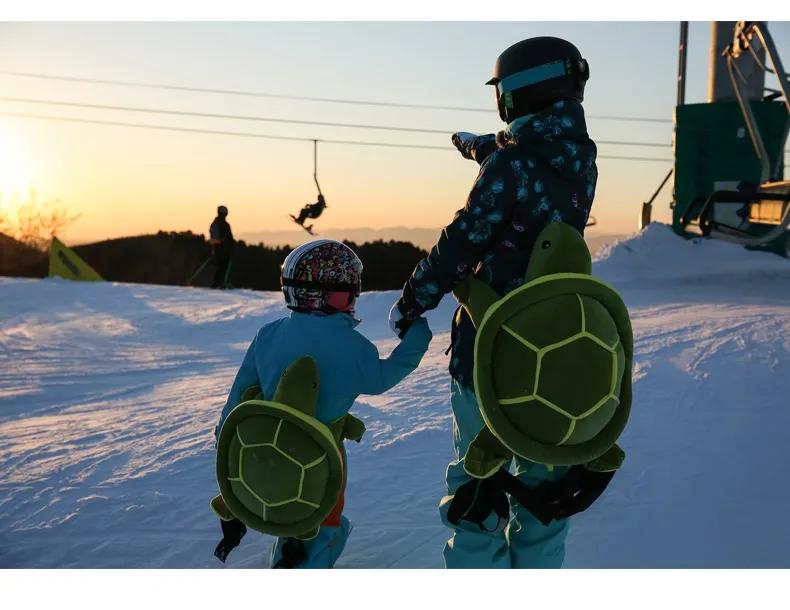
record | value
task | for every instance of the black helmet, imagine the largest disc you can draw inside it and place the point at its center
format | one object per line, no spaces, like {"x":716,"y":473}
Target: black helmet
{"x":537,"y":72}
{"x":222,"y":211}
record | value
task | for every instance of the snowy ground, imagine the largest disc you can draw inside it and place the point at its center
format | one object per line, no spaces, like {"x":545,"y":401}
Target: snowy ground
{"x":109,"y":394}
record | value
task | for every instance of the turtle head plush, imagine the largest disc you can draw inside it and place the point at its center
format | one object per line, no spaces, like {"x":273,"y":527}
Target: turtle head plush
{"x":559,"y":248}
{"x":298,"y":386}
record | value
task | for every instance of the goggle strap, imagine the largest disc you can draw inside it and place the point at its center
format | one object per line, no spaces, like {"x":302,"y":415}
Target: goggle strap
{"x":535,"y":75}
{"x":313,"y":285}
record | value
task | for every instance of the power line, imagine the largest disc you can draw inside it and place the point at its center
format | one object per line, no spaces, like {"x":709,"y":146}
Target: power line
{"x":125,"y":83}
{"x":240,"y":117}
{"x":247,"y":134}
{"x":218,"y":132}
{"x":264,"y":94}
{"x":213,"y":115}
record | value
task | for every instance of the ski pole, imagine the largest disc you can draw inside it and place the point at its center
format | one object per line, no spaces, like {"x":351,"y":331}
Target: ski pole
{"x":199,"y":269}
{"x":227,"y":274}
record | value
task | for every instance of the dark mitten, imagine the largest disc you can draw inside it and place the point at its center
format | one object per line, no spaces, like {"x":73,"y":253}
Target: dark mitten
{"x":560,"y":499}
{"x":476,"y":499}
{"x":579,"y":489}
{"x":232,"y":533}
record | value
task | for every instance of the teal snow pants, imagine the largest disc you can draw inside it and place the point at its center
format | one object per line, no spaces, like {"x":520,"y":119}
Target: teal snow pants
{"x":525,"y":542}
{"x":323,"y":550}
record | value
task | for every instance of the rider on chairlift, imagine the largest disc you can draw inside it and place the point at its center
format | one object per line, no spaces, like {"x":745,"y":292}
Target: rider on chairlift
{"x":311,"y":210}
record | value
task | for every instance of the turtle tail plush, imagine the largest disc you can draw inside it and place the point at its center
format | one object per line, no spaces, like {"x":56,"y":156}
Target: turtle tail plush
{"x":552,"y":362}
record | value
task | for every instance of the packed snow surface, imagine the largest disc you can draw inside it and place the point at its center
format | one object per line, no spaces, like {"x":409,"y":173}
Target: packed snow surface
{"x":109,"y":394}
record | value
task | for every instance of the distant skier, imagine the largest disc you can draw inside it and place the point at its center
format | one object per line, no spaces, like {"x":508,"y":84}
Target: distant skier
{"x":221,"y":239}
{"x":311,"y":210}
{"x":540,"y":169}
{"x":321,"y":281}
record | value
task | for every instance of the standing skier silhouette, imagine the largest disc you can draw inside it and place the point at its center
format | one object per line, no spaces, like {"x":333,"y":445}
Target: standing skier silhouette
{"x":221,"y":239}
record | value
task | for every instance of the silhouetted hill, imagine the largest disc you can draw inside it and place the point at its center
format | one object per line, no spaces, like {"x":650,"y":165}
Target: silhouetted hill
{"x":420,"y":237}
{"x":20,"y":260}
{"x":172,"y":258}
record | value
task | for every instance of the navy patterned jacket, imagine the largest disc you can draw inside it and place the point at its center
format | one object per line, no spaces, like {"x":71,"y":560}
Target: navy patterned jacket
{"x":545,"y":173}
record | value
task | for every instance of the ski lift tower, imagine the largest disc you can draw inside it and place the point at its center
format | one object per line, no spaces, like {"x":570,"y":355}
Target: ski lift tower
{"x":729,"y":152}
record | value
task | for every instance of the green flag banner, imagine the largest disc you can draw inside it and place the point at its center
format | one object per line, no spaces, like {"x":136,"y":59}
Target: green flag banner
{"x":65,"y":263}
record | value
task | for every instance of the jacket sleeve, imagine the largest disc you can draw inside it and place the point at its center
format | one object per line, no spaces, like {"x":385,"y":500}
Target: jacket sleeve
{"x":483,"y":146}
{"x":245,"y":378}
{"x":462,"y":244}
{"x":381,"y":374}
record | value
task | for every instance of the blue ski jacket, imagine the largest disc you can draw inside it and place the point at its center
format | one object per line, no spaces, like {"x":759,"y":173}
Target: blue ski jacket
{"x":348,"y":363}
{"x":545,"y":173}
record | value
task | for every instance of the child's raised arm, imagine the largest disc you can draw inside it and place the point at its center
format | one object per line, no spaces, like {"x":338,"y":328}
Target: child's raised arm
{"x":381,"y":374}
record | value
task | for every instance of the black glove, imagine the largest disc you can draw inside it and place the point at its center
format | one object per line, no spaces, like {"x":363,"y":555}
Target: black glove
{"x":575,"y":492}
{"x":232,"y":533}
{"x":473,"y":146}
{"x":572,"y":494}
{"x":475,"y":500}
{"x":550,"y":500}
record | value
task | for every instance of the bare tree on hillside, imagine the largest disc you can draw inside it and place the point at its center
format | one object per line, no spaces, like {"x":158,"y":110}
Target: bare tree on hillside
{"x":36,"y":222}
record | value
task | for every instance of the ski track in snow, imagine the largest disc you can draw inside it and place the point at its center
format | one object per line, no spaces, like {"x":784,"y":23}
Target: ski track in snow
{"x":109,"y":394}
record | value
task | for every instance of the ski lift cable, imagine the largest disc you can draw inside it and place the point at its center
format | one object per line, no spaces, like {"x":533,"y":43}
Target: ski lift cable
{"x":246,"y":134}
{"x":315,"y":166}
{"x":263,"y":94}
{"x":213,"y":115}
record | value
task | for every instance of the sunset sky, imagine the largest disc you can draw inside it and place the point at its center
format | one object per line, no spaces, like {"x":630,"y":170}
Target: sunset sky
{"x":125,"y":181}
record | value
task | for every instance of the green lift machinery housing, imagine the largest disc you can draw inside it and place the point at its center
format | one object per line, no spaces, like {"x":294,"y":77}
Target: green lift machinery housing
{"x":729,"y":157}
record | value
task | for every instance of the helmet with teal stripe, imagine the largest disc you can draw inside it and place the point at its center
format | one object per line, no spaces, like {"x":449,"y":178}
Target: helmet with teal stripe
{"x":552,"y":360}
{"x":534,"y":73}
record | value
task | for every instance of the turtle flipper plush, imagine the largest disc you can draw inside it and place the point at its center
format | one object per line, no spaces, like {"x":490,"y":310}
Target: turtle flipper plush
{"x":279,"y":469}
{"x":552,"y":362}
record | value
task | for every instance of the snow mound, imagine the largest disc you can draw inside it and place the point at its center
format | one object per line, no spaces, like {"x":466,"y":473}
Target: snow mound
{"x":658,"y":254}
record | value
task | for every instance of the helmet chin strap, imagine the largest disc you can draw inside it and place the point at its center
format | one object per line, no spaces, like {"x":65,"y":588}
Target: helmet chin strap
{"x":501,"y":107}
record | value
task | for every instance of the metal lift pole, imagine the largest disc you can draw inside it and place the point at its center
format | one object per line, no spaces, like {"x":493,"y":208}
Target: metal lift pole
{"x":742,"y":41}
{"x":682,"y":55}
{"x":647,"y":207}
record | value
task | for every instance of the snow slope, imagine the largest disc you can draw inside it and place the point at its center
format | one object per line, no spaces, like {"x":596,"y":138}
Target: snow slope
{"x":109,"y":394}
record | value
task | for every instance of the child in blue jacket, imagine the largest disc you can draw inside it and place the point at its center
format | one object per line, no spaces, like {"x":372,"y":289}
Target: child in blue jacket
{"x":321,"y":281}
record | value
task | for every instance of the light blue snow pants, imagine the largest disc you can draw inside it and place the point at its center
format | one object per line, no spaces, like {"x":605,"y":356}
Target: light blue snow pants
{"x":525,"y":542}
{"x":323,"y":550}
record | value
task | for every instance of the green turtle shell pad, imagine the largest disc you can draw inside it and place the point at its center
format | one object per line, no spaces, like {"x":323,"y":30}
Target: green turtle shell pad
{"x":279,"y":471}
{"x":553,"y":369}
